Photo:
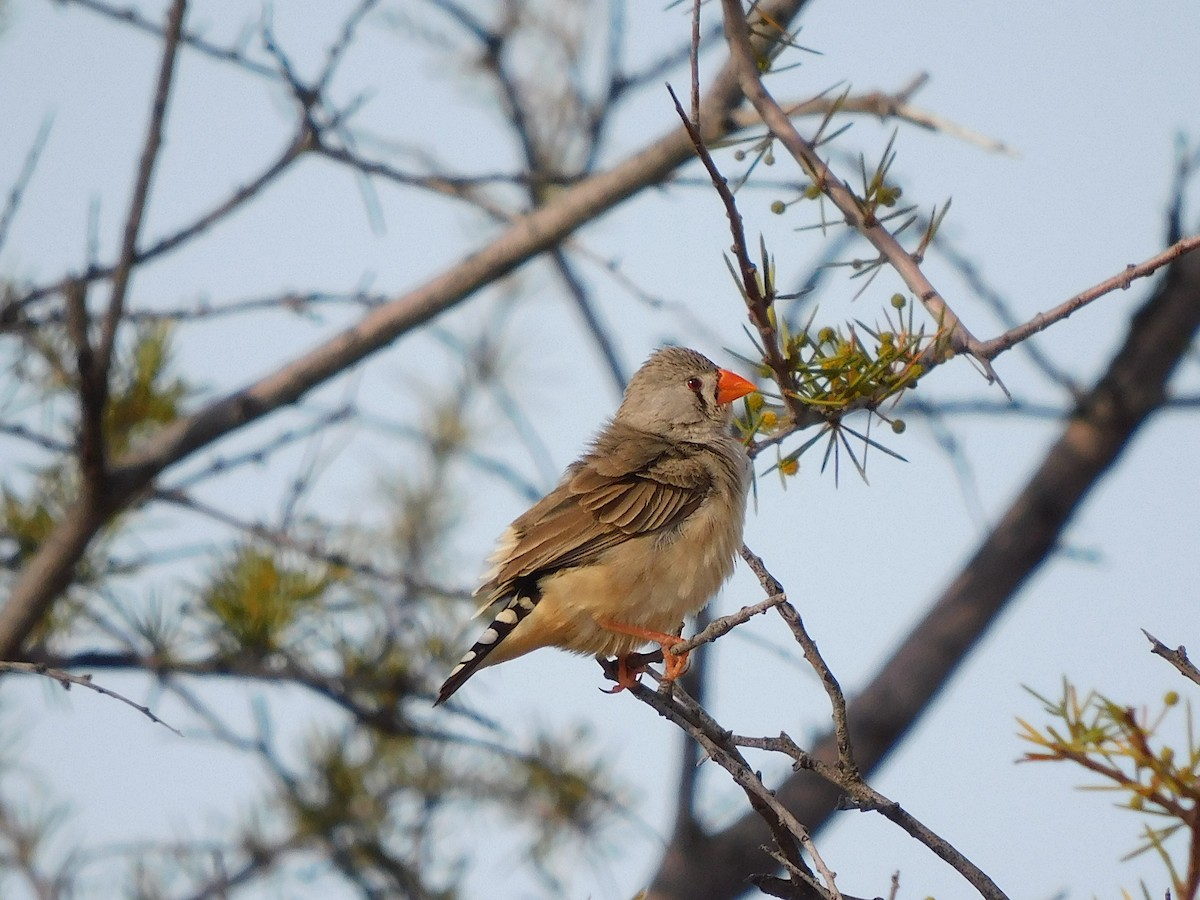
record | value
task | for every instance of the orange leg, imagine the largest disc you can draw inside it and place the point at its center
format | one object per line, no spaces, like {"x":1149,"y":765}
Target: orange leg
{"x":627,"y":674}
{"x":675,"y":663}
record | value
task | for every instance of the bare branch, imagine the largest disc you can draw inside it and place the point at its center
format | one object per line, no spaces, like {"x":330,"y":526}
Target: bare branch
{"x":993,"y":348}
{"x":975,"y":281}
{"x":48,"y":571}
{"x":722,"y":626}
{"x":808,"y":646}
{"x":66,"y":679}
{"x":17,"y":191}
{"x":758,"y":303}
{"x":599,"y":333}
{"x":141,"y":191}
{"x":132,"y":16}
{"x":1177,"y":657}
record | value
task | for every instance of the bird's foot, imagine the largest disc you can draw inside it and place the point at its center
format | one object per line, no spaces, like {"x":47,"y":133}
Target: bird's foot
{"x":626,"y":670}
{"x":675,"y":664}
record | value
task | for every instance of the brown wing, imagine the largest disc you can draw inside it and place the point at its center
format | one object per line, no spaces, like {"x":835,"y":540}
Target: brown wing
{"x":632,"y":483}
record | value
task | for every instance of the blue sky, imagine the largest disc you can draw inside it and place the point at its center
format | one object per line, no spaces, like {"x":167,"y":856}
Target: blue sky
{"x":1091,"y":96}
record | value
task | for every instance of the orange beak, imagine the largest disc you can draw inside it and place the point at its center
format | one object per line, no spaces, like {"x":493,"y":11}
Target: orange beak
{"x":731,"y":385}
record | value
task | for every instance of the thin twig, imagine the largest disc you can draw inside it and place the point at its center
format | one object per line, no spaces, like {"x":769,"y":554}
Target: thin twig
{"x":596,"y":328}
{"x":1122,"y":280}
{"x":678,"y":707}
{"x":975,"y":281}
{"x":808,"y":646}
{"x":955,"y":335}
{"x":1177,"y":657}
{"x":141,"y":190}
{"x":722,"y":626}
{"x":17,"y":191}
{"x":757,"y":304}
{"x":66,"y":679}
{"x":132,"y":17}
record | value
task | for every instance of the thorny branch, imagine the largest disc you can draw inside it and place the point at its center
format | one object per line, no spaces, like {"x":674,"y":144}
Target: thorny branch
{"x":737,"y":32}
{"x":758,"y":302}
{"x":891,"y":106}
{"x":757,"y":289}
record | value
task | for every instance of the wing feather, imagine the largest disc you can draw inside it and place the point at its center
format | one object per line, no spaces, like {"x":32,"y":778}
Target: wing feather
{"x":628,"y":485}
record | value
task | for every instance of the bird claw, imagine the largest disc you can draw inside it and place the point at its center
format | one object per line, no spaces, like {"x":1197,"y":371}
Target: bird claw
{"x":674,"y":664}
{"x":626,"y":670}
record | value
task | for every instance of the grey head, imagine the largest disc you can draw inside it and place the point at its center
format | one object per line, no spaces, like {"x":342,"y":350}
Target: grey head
{"x":678,"y":393}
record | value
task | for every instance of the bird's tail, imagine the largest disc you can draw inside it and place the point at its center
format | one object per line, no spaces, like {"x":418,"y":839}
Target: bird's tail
{"x":518,"y":607}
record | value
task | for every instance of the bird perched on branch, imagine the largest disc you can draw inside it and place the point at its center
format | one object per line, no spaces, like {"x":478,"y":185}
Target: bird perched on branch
{"x":640,"y":532}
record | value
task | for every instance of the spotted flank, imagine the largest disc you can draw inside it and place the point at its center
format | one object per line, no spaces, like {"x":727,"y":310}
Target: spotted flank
{"x":502,"y":625}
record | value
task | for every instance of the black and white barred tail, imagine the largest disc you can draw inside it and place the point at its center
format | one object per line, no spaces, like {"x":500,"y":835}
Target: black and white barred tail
{"x":502,"y":625}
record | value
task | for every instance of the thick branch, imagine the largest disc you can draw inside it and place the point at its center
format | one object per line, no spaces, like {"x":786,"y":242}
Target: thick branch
{"x":49,"y":570}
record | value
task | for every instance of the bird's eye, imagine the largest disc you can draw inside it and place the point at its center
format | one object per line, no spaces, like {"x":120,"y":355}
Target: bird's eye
{"x":694,"y":384}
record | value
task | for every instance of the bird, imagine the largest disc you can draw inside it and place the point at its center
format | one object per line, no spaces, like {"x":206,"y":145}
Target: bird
{"x":639,"y":533}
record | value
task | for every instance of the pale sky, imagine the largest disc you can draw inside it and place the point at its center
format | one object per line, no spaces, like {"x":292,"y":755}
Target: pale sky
{"x":1091,"y":97}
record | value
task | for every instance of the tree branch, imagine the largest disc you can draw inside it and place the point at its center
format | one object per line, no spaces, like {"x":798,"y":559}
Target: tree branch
{"x":66,"y":679}
{"x":1177,"y":657}
{"x":1104,"y":422}
{"x":49,"y":570}
{"x":141,"y":191}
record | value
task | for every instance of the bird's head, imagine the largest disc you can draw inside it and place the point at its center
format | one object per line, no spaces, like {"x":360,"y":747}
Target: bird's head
{"x":682,"y":394}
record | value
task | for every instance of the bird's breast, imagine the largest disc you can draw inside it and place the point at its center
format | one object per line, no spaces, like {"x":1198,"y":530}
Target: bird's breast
{"x":651,"y":582}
